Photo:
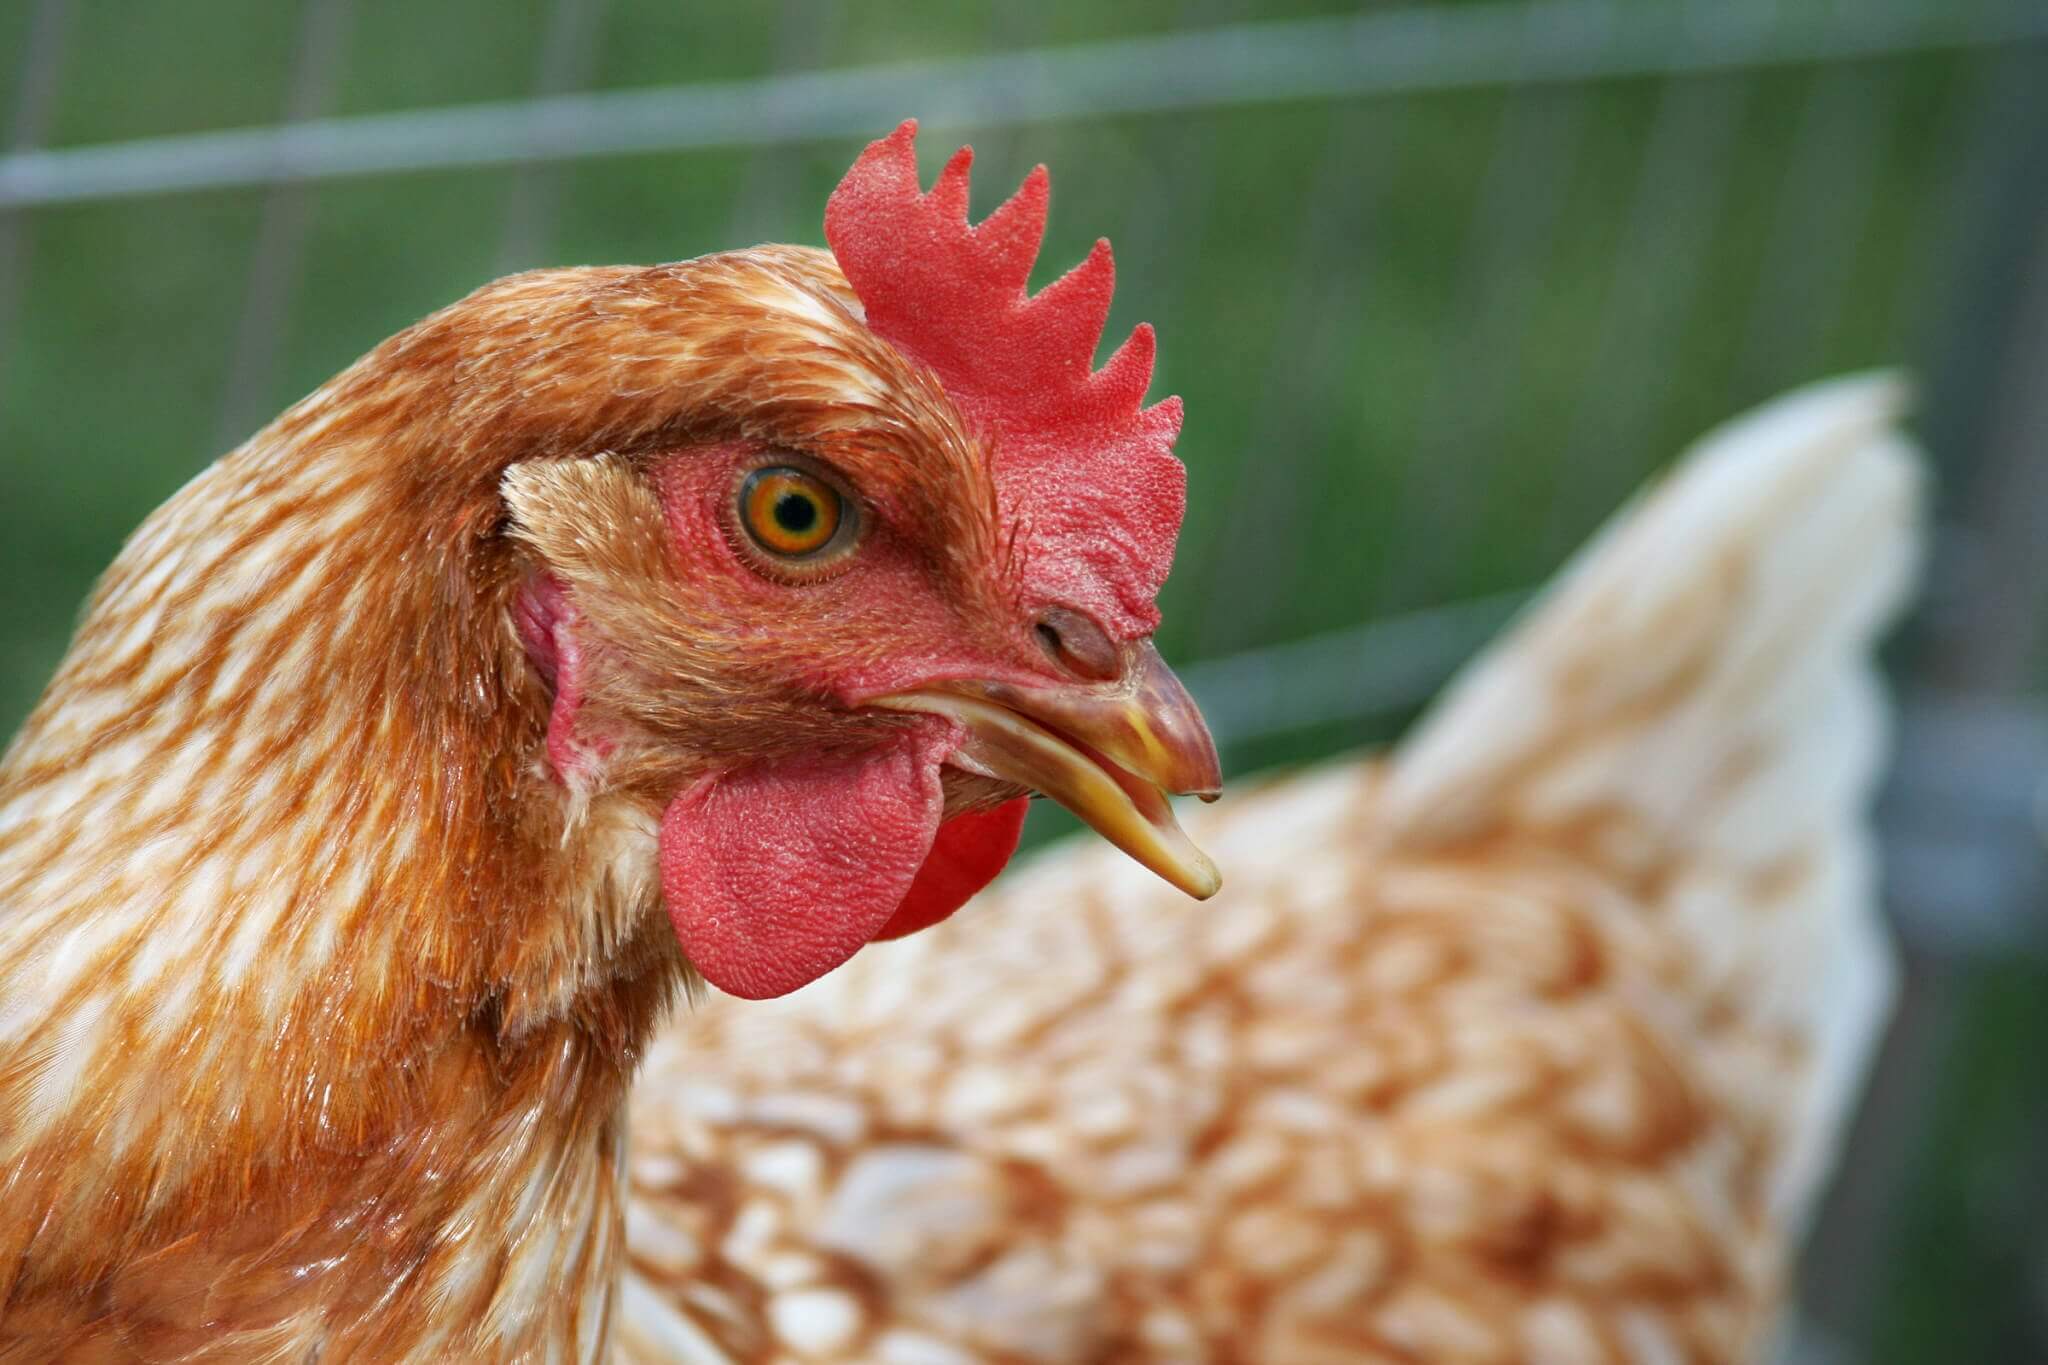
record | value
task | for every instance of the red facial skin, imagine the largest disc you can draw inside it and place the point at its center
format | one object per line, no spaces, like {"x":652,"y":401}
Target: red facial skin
{"x":859,"y":850}
{"x":776,"y":871}
{"x":888,"y":615}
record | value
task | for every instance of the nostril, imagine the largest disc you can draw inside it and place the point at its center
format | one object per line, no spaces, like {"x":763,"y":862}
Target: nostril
{"x":1077,"y":644}
{"x":1049,"y":637}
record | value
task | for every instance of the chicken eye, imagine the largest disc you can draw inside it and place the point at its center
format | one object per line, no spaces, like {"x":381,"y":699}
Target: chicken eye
{"x":789,"y":512}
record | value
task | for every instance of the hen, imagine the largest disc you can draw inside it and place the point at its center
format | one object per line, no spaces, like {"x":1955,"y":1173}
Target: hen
{"x":1527,"y":1044}
{"x":613,"y":624}
{"x":608,"y":626}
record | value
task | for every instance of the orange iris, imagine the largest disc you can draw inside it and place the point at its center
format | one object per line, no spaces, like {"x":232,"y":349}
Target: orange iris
{"x":789,"y":512}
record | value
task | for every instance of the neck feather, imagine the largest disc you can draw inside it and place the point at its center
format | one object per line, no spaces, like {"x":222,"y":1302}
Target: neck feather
{"x":300,"y":950}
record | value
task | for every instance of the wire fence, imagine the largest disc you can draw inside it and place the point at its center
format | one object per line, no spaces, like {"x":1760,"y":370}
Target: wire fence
{"x":1964,"y":295}
{"x":1388,"y":52}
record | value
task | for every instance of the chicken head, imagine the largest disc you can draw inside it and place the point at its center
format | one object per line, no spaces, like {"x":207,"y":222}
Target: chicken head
{"x":892,"y":569}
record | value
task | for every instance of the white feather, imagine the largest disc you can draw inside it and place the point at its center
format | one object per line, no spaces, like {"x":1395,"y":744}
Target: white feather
{"x":1705,"y":666}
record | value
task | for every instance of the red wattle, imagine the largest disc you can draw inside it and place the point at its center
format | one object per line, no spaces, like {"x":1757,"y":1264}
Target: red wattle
{"x":966,"y":856}
{"x":775,"y":875}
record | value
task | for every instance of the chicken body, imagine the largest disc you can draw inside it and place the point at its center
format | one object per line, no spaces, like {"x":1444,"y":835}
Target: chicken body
{"x":1527,"y":1044}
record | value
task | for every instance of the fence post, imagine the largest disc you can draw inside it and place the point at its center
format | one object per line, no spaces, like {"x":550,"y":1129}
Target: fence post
{"x":1969,"y":816}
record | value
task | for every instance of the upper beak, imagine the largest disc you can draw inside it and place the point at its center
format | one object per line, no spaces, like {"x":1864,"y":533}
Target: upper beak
{"x":1109,"y":752}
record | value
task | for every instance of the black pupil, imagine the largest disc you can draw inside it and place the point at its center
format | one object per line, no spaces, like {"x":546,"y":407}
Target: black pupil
{"x":795,"y":513}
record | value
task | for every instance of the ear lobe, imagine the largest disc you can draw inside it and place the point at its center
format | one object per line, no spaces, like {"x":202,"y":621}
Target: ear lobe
{"x":595,"y":527}
{"x":550,"y":628}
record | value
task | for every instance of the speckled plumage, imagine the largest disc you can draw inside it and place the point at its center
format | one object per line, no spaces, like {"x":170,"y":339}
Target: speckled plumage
{"x":1527,"y":1044}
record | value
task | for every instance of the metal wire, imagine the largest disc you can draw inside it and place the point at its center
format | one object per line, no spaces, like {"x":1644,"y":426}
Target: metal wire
{"x":804,"y":33}
{"x":568,"y":61}
{"x":42,"y":66}
{"x":1402,"y":51}
{"x":1381,"y":668}
{"x":1515,"y":218}
{"x":1822,"y":212}
{"x":275,"y":265}
{"x":1686,"y":163}
{"x":1326,"y":296}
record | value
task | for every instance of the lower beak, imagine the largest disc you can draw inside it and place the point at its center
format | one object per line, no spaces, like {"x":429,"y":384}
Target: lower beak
{"x":1111,"y":753}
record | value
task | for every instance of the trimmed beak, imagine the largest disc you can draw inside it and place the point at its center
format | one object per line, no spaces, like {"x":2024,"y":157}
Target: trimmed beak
{"x":1111,"y":753}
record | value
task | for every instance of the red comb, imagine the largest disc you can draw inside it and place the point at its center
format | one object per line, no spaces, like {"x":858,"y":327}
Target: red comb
{"x":1083,"y":470}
